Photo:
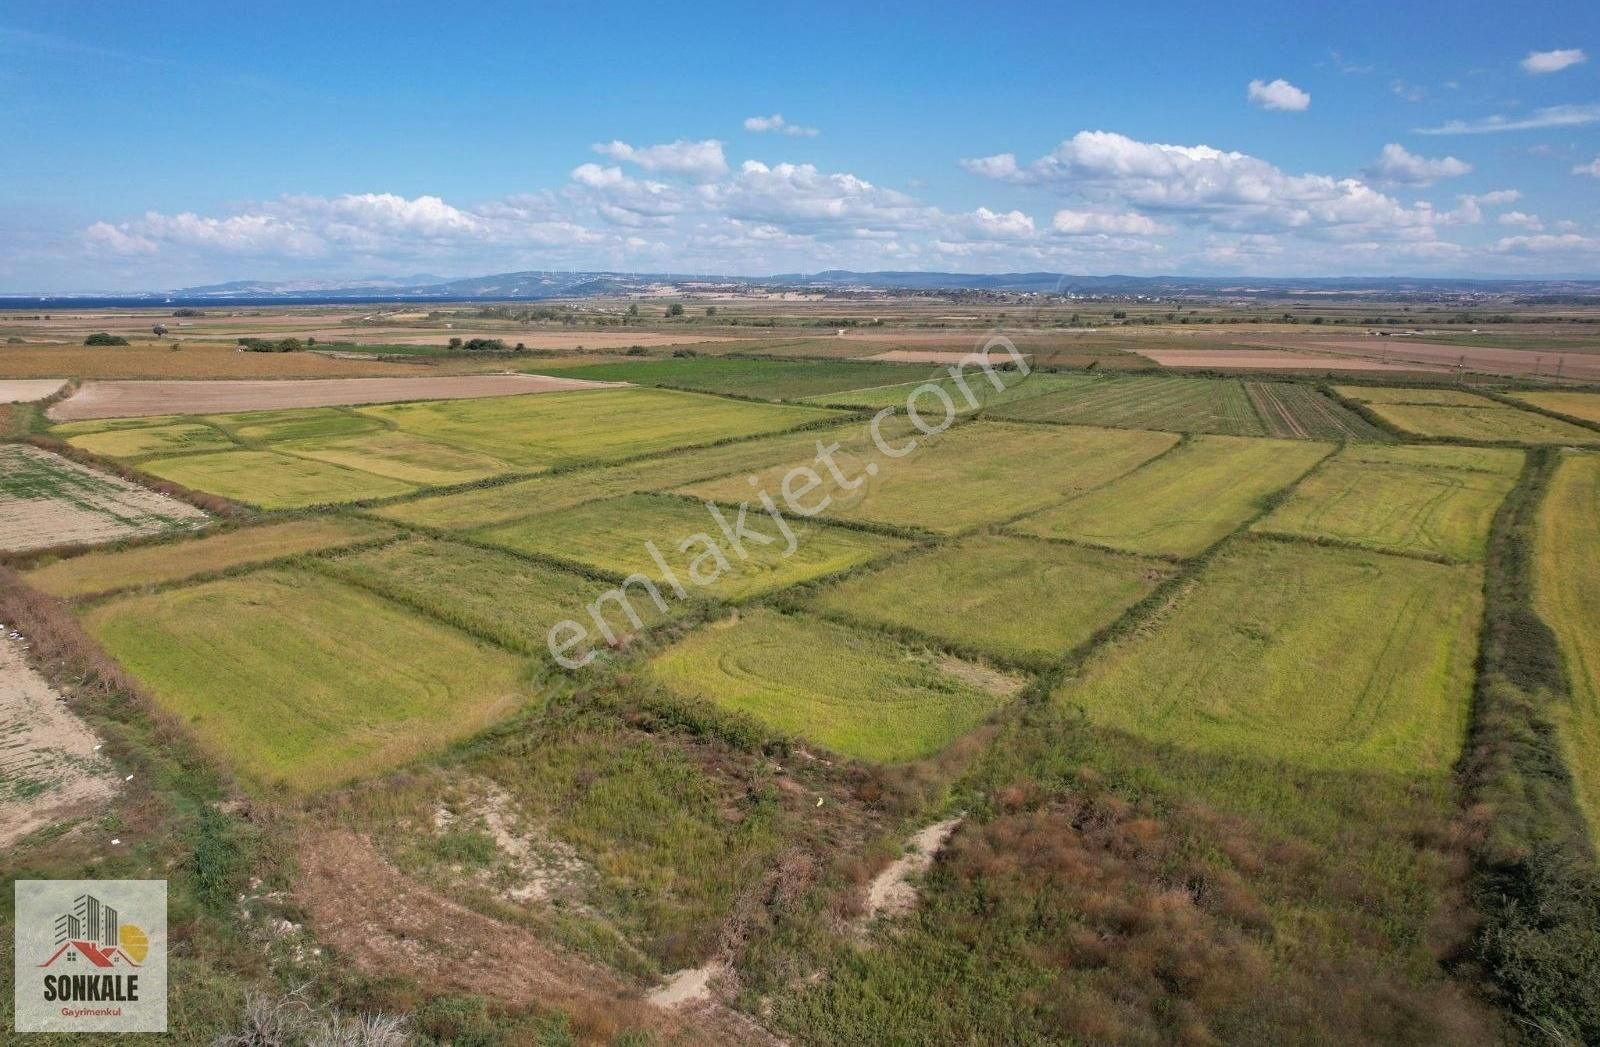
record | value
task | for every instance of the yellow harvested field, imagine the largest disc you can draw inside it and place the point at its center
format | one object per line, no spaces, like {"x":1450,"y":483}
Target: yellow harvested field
{"x":1574,"y":405}
{"x":100,"y":572}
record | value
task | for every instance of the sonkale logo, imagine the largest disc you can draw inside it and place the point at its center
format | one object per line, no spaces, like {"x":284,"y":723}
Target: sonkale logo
{"x":91,"y":956}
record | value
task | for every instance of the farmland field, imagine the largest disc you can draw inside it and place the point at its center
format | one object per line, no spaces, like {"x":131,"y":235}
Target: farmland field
{"x":1402,"y":500}
{"x":762,"y":379}
{"x":852,"y":692}
{"x":1165,"y":724}
{"x":1000,"y":471}
{"x":1435,"y":397}
{"x":305,"y":423}
{"x":1453,"y":414}
{"x":505,"y":598}
{"x":101,"y":572}
{"x":538,"y":432}
{"x":1574,"y":405}
{"x":1295,"y":411}
{"x":511,"y":501}
{"x":610,"y":535}
{"x":1489,"y":424}
{"x":273,"y":481}
{"x":400,"y":456}
{"x":1567,"y":588}
{"x":1324,"y":658}
{"x":1015,"y":387}
{"x":1183,"y":405}
{"x":47,"y":500}
{"x":1006,"y":597}
{"x":1184,"y":501}
{"x":130,"y":443}
{"x":304,"y":682}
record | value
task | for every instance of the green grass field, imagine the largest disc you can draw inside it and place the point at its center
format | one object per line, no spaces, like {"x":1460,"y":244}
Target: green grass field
{"x":1187,"y":405}
{"x":762,"y":379}
{"x":1410,"y":500}
{"x":100,"y":572}
{"x":399,"y":456}
{"x":506,"y":502}
{"x":551,"y":429}
{"x":273,"y":481}
{"x":1014,"y":387}
{"x":1010,"y":598}
{"x":1293,"y":410}
{"x":1494,"y":424}
{"x":974,"y":474}
{"x":1574,"y":405}
{"x":157,"y":439}
{"x":1385,"y":394}
{"x":1567,"y":595}
{"x":857,"y":694}
{"x":305,"y":423}
{"x":610,"y":535}
{"x":298,"y":680}
{"x":1324,"y":658}
{"x":502,"y":597}
{"x":1183,"y":502}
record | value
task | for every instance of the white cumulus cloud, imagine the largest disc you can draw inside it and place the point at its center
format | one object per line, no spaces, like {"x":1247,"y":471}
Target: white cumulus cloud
{"x":1592,"y":168}
{"x":1081,"y":223}
{"x":1541,"y":62}
{"x":1397,"y":166}
{"x":1279,"y":94}
{"x":703,"y":160}
{"x":776,"y":123}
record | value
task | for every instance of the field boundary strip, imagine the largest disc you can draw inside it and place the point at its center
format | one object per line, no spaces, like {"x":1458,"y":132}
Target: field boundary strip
{"x":1535,"y":880}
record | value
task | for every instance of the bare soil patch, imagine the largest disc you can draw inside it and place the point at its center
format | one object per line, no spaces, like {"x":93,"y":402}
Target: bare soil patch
{"x":21,"y":391}
{"x":388,"y":924}
{"x":47,"y":500}
{"x":50,"y":766}
{"x":135,"y":399}
{"x":1411,"y":354}
{"x":891,"y":892}
{"x":1273,"y":360}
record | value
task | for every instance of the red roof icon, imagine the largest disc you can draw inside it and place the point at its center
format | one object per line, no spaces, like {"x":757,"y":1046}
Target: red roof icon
{"x":99,"y":956}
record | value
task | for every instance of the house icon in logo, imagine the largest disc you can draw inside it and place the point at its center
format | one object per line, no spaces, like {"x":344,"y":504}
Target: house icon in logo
{"x":92,"y":935}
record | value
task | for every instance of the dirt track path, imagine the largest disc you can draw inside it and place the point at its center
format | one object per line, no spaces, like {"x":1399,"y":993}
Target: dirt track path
{"x":50,"y":769}
{"x":386,"y":923}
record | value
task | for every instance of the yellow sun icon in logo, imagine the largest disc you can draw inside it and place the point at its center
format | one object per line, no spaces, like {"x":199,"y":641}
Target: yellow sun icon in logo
{"x":134,"y":941}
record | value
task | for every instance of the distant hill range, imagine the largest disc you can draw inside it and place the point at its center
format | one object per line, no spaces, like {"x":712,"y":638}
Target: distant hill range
{"x":536,"y":285}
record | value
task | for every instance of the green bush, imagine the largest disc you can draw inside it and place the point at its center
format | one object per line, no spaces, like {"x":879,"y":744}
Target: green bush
{"x":267,"y":345}
{"x":101,"y":338}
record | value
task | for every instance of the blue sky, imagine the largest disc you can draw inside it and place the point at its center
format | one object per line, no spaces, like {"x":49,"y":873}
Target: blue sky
{"x":154,"y":146}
